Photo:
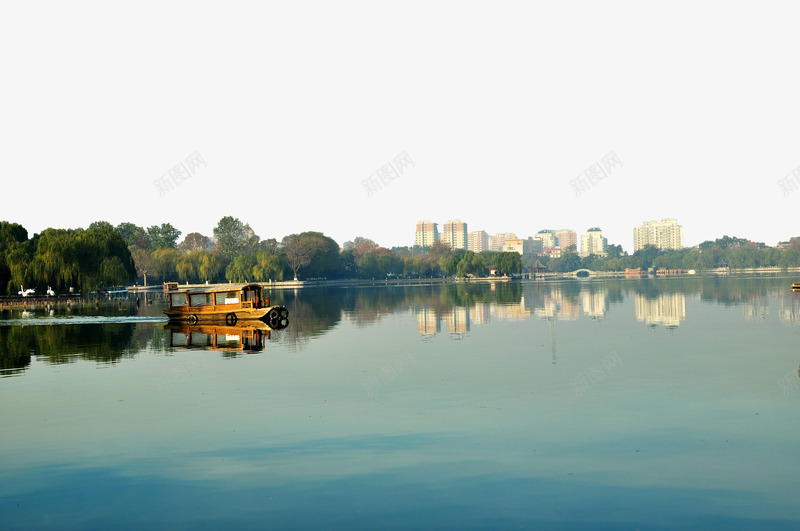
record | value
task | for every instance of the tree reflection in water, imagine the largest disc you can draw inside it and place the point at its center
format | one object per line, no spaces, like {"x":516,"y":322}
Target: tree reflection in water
{"x":314,"y":311}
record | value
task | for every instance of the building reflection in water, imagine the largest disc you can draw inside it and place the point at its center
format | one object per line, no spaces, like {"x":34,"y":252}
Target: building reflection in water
{"x":556,"y":304}
{"x":428,"y":323}
{"x":757,"y":308}
{"x":566,"y":302}
{"x":789,"y":308}
{"x":594,"y":304}
{"x":667,"y":309}
{"x":459,"y":319}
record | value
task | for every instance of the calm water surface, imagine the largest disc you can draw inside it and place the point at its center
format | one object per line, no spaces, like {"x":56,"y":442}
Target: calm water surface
{"x":666,"y":403}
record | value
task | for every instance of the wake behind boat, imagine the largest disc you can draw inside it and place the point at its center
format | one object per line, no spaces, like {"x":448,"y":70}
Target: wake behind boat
{"x":229,"y":303}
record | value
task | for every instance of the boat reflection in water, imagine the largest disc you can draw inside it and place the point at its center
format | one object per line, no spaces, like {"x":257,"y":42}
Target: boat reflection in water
{"x":247,"y":336}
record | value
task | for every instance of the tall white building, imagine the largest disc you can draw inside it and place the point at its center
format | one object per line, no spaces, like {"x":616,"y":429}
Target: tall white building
{"x":478,"y":241}
{"x":427,"y":234}
{"x":454,"y":234}
{"x":547,"y":237}
{"x":664,"y":234}
{"x":593,"y":242}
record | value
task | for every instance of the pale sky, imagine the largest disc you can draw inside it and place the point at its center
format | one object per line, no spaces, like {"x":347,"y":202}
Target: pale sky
{"x":292,"y":106}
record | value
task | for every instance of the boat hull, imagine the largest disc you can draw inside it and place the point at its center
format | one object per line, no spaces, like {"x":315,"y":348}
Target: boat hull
{"x":216,"y":315}
{"x":276,"y":316}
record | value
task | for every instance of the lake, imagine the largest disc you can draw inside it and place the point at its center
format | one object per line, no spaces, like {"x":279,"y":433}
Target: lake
{"x":617,"y":404}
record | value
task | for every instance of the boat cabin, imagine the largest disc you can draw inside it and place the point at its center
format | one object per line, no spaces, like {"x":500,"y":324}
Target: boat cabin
{"x":242,"y":296}
{"x":229,"y":302}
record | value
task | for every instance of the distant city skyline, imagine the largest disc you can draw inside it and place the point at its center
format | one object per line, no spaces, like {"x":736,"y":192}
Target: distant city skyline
{"x":666,"y":234}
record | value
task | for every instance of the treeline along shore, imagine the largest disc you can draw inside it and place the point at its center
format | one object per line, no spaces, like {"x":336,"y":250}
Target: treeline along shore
{"x":102,"y":255}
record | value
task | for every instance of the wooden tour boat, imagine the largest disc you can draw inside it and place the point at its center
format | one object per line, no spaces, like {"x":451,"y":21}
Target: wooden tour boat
{"x":229,"y":303}
{"x":795,"y":286}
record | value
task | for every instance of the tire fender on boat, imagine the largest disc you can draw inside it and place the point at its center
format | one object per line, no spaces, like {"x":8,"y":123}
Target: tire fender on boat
{"x":231,"y":319}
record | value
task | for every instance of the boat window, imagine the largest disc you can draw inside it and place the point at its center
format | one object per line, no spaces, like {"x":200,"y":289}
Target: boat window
{"x":228,"y":340}
{"x":180,"y":339}
{"x":200,"y":339}
{"x":250,"y":294}
{"x":177,"y":299}
{"x":200,"y":299}
{"x":227,"y":297}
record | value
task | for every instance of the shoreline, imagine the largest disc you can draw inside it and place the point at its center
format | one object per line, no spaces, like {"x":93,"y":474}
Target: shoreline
{"x":541,"y":277}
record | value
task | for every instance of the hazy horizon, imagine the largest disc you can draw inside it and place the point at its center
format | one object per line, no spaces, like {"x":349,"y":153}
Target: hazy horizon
{"x":295,"y":108}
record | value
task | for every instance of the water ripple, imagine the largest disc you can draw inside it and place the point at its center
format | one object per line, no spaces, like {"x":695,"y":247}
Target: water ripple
{"x":79,"y":319}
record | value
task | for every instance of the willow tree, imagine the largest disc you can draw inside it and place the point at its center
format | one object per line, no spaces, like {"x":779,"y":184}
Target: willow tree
{"x":209,"y":265}
{"x":241,"y":268}
{"x":186,"y":268}
{"x":57,"y":259}
{"x":12,"y":236}
{"x":268,"y":267}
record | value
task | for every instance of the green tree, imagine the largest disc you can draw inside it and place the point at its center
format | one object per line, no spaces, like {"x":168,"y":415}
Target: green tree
{"x":347,"y":264}
{"x":165,"y":261}
{"x":163,"y":237}
{"x":100,"y":225}
{"x":645,"y":256}
{"x":143,"y":262}
{"x":209,"y":265}
{"x":94,"y":246}
{"x":269,"y":245}
{"x":312,"y":250}
{"x":113,"y":272}
{"x":18,"y":258}
{"x":508,"y":263}
{"x":134,"y":235}
{"x":11,"y":235}
{"x":449,"y":263}
{"x":57,"y":261}
{"x":186,"y":268}
{"x":195,"y":241}
{"x":360,"y":246}
{"x":614,"y":251}
{"x":569,"y":262}
{"x":325,"y":260}
{"x":241,"y":268}
{"x":232,"y":238}
{"x":268,"y":267}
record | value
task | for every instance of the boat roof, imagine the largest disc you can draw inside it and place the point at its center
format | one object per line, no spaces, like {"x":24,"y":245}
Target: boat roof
{"x":216,"y":288}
